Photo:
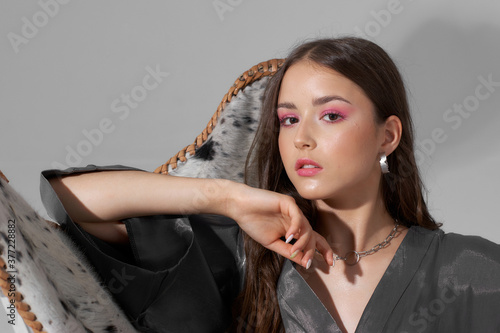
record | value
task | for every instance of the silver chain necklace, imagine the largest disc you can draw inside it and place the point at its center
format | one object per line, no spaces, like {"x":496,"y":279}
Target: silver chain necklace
{"x":352,"y":257}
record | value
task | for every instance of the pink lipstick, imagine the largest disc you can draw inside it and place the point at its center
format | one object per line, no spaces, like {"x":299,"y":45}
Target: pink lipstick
{"x":307,"y":168}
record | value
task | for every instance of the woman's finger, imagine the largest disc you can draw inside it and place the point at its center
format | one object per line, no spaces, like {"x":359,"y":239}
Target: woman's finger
{"x":297,"y":219}
{"x":284,"y":249}
{"x":307,"y":258}
{"x":302,"y":241}
{"x":324,"y":248}
{"x":299,"y":227}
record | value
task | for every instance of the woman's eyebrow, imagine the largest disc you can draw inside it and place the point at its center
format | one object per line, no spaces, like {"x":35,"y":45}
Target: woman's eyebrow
{"x":286,"y":105}
{"x":316,"y":102}
{"x":326,"y":99}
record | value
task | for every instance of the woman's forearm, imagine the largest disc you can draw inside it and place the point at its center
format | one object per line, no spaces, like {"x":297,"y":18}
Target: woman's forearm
{"x":110,"y":196}
{"x":115,"y":195}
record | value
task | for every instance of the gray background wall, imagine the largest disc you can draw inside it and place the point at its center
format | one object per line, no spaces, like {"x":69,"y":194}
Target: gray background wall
{"x":65,"y":67}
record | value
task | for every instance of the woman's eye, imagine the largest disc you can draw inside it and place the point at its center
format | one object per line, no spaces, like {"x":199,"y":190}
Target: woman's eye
{"x":331,"y":117}
{"x":288,"y":121}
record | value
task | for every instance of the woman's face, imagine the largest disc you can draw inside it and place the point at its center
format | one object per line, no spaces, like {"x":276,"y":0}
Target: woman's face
{"x":329,"y":140}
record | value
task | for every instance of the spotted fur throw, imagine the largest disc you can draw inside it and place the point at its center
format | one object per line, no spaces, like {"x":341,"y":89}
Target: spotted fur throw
{"x":224,"y":153}
{"x":54,"y":278}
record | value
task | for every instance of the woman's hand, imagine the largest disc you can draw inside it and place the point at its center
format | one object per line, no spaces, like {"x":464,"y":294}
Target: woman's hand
{"x":267,"y":217}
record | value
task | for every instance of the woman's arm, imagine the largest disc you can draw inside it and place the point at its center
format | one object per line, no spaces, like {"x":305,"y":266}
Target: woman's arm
{"x":98,"y":200}
{"x":114,"y":195}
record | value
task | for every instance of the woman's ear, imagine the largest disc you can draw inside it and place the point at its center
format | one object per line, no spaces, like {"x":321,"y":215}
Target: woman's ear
{"x":392,"y":134}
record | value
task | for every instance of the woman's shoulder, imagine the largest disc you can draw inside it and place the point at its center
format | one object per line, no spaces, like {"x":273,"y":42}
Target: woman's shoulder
{"x":461,"y":262}
{"x":451,"y":245}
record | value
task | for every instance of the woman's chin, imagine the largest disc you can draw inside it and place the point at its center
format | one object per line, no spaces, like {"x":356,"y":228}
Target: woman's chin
{"x":311,"y":194}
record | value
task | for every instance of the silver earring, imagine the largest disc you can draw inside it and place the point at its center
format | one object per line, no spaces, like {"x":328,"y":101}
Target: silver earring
{"x":383,"y":164}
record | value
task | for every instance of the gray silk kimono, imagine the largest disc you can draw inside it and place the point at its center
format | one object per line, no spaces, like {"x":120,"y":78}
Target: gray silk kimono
{"x":436,"y":282}
{"x":181,"y":274}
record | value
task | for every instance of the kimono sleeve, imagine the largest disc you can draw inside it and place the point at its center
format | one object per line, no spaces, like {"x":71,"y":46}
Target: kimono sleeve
{"x":177,"y":274}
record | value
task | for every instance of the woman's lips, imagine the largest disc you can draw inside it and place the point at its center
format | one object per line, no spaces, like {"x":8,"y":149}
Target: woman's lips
{"x":306,"y":167}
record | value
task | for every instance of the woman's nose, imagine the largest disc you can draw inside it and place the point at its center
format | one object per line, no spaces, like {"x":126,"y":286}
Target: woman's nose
{"x":304,"y":138}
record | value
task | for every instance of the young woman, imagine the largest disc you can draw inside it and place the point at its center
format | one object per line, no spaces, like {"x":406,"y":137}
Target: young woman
{"x":334,"y":151}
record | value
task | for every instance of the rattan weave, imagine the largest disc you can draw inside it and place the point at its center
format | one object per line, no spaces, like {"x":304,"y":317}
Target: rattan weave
{"x":263,"y":69}
{"x":3,"y":177}
{"x":17,"y":298}
{"x":23,"y":308}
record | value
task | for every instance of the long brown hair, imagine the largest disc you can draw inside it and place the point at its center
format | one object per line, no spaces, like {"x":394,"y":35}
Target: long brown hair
{"x":371,"y":68}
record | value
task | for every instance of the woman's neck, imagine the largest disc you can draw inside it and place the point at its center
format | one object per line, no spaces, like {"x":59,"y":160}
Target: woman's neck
{"x":358,"y":228}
